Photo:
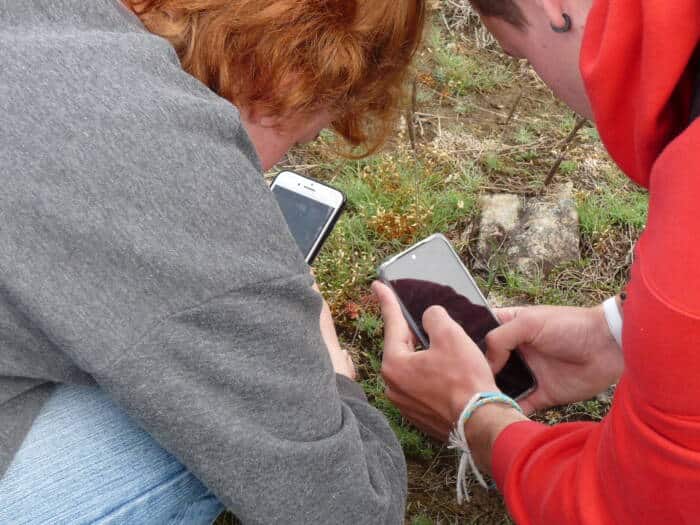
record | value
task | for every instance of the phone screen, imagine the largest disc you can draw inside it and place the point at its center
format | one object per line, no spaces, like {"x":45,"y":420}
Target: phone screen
{"x":432,"y":274}
{"x":305,"y":217}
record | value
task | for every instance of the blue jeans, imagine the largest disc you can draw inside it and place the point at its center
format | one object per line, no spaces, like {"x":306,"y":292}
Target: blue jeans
{"x":85,"y":461}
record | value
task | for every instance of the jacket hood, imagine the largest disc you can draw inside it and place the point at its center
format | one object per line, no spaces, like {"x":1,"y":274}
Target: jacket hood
{"x":636,"y":60}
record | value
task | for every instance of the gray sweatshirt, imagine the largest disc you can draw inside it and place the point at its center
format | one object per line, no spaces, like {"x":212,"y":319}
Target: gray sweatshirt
{"x":141,"y":250}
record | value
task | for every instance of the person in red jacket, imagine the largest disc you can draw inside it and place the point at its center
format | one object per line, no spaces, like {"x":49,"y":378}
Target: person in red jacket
{"x":633,"y":66}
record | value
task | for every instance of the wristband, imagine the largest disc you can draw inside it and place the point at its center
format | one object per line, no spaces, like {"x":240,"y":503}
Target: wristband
{"x":614,"y":319}
{"x":458,"y":439}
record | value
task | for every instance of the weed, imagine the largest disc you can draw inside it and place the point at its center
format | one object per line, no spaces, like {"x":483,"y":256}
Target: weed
{"x":369,"y":323}
{"x":568,"y":167}
{"x":607,"y":208}
{"x":461,"y":71}
{"x":524,"y":135}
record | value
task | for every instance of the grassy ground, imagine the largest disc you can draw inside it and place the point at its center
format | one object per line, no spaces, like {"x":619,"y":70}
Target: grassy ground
{"x":480,"y":122}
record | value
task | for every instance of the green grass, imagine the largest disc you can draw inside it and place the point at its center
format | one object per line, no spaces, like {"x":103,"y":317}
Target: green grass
{"x":393,"y":201}
{"x":414,"y":443}
{"x":615,"y":203}
{"x":460,"y":72}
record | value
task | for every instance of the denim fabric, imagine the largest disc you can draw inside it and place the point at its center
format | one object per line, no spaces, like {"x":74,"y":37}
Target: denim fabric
{"x":85,"y":461}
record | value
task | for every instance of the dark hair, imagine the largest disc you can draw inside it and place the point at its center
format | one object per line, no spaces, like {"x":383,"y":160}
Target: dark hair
{"x":508,"y":10}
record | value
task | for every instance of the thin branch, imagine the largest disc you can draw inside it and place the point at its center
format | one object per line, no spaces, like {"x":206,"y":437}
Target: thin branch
{"x":512,"y":110}
{"x":565,"y":146}
{"x":410,"y":116}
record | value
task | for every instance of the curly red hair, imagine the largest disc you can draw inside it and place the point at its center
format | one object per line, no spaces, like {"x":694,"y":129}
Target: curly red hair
{"x":286,"y":57}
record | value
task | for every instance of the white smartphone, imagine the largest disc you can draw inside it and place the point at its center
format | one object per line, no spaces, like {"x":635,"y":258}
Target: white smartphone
{"x":431,"y":273}
{"x":310,"y":207}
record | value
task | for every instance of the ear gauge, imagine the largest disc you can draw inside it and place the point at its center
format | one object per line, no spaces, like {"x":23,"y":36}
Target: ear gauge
{"x":563,"y":28}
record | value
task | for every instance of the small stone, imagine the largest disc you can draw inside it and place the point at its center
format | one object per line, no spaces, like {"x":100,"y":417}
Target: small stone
{"x":497,"y":300}
{"x":607,"y":396}
{"x":500,"y":214}
{"x":533,"y":234}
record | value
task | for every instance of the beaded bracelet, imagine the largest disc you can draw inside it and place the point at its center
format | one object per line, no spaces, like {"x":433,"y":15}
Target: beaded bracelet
{"x":458,"y":440}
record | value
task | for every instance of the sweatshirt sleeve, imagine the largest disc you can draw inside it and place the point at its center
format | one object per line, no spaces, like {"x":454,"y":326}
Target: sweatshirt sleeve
{"x":640,"y":464}
{"x":241,"y":390}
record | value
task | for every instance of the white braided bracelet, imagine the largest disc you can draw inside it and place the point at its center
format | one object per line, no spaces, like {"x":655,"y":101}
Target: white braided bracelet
{"x":458,"y":440}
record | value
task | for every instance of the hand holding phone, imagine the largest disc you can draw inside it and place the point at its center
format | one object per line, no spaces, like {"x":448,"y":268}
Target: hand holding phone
{"x":570,"y":350}
{"x":431,"y":273}
{"x":429,"y":387}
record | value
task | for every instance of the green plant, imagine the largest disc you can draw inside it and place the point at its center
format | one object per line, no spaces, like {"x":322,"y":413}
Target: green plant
{"x":568,"y":167}
{"x":460,"y":72}
{"x":414,"y":444}
{"x":614,"y":203}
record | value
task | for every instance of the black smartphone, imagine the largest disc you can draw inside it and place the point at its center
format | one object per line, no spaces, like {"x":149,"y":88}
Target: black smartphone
{"x":431,"y":273}
{"x":311,"y":209}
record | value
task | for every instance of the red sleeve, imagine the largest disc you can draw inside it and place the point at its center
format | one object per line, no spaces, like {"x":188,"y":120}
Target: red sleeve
{"x":641,"y":465}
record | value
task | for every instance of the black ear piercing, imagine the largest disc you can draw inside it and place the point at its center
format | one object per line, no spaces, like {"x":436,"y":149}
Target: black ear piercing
{"x":564,"y":28}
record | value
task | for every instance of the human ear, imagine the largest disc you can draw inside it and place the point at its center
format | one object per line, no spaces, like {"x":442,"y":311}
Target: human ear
{"x":268,"y":121}
{"x":554,"y":10}
{"x":259,"y":118}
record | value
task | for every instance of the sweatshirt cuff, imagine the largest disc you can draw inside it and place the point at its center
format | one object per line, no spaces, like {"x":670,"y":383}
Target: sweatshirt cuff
{"x":349,"y":388}
{"x":508,"y":445}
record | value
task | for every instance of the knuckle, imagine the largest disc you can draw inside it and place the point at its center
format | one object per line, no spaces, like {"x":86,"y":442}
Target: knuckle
{"x":391,"y":396}
{"x":452,"y":333}
{"x":491,"y":339}
{"x":393,"y":370}
{"x":387,"y":371}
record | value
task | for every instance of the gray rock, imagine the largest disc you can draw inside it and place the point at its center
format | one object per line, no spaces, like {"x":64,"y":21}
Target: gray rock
{"x":500,"y":215}
{"x":497,"y":300}
{"x":532,"y":234}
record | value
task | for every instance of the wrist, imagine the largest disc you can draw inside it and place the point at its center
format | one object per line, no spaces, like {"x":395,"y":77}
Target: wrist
{"x":483,"y":428}
{"x":612,"y":311}
{"x":489,"y":421}
{"x":608,"y":354}
{"x":460,"y":399}
{"x":600,"y":323}
{"x":604,"y":337}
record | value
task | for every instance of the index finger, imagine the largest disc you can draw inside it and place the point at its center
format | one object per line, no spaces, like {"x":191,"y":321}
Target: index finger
{"x":398,"y":337}
{"x":506,"y":338}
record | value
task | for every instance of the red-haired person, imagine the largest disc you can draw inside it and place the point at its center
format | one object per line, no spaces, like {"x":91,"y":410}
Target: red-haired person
{"x":161,"y":357}
{"x":634,"y":68}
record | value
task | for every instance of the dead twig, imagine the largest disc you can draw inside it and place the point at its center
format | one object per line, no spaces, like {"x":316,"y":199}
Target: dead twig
{"x":411,"y":115}
{"x":516,"y":103}
{"x":412,"y":138}
{"x":471,"y":104}
{"x":564,"y":147}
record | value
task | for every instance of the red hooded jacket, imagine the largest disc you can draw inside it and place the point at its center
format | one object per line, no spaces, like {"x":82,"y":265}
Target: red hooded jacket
{"x":641,"y":464}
